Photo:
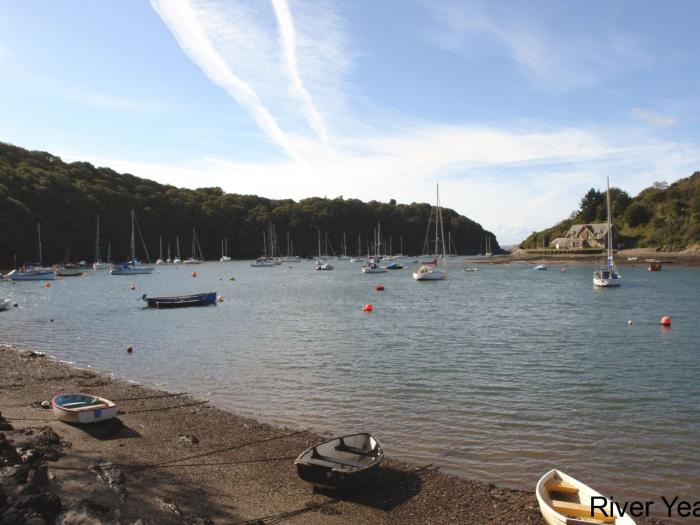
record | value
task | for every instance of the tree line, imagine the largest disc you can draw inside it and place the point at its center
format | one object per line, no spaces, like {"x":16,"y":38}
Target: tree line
{"x":66,"y":198}
{"x":662,"y":216}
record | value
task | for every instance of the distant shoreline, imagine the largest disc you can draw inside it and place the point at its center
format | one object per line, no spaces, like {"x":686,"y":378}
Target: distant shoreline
{"x":621,"y":258}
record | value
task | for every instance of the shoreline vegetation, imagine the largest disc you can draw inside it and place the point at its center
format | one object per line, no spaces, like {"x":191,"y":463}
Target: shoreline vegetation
{"x":170,"y":458}
{"x":66,"y":198}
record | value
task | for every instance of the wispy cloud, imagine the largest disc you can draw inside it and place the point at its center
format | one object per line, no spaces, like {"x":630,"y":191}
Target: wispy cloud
{"x":288,"y":44}
{"x":655,"y":119}
{"x":184,"y":21}
{"x":555,"y":55}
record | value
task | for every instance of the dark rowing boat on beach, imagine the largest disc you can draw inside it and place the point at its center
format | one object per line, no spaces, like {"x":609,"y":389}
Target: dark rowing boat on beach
{"x":181,"y":301}
{"x":340,"y":463}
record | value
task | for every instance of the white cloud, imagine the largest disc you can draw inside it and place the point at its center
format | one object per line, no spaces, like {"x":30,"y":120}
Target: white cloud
{"x":655,"y":119}
{"x":190,"y":27}
{"x":562,"y":58}
{"x":288,"y":44}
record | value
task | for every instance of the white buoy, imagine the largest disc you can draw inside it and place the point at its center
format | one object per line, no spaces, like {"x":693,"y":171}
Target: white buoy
{"x":629,"y":322}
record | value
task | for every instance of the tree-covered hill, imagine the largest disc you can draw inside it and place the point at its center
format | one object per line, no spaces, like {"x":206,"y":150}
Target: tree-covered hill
{"x":663,"y":216}
{"x":66,"y":198}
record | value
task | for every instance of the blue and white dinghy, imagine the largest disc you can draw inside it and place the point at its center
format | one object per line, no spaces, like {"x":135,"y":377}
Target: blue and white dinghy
{"x":82,"y":408}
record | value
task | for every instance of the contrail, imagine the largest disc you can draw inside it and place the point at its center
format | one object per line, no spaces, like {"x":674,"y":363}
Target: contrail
{"x":181,"y":19}
{"x":288,"y":43}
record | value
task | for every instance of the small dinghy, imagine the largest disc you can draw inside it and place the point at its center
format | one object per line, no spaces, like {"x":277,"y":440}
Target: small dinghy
{"x":4,"y":304}
{"x":564,"y":500}
{"x":82,"y":408}
{"x":342,"y":462}
{"x":181,"y":301}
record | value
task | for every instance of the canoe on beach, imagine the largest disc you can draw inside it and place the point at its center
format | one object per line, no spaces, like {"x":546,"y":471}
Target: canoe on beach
{"x":342,"y":462}
{"x":82,"y":408}
{"x":564,"y":500}
{"x":181,"y":301}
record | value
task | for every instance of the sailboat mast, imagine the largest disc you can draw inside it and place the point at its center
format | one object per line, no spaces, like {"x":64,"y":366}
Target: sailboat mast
{"x":177,"y":244}
{"x":38,"y":229}
{"x":133,"y":238}
{"x":319,"y":243}
{"x":607,"y":200}
{"x":160,"y":243}
{"x":345,"y":246}
{"x":97,"y":240}
{"x":442,"y":233}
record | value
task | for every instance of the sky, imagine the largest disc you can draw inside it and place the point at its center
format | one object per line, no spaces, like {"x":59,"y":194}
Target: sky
{"x":515,"y":107}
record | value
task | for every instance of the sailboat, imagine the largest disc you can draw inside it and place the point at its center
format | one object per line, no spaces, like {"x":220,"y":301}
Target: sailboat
{"x":169,"y":260}
{"x":431,"y":271}
{"x":488,"y":252}
{"x":542,"y":265}
{"x":372,"y":263}
{"x":33,"y":272}
{"x":195,"y":245}
{"x":98,"y":264}
{"x":224,"y":250}
{"x":129,"y":267}
{"x":177,"y":259}
{"x":160,"y":261}
{"x":608,"y":276}
{"x":264,"y":261}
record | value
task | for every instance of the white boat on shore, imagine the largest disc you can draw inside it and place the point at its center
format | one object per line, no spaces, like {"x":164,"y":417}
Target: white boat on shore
{"x":564,"y":500}
{"x":82,"y":408}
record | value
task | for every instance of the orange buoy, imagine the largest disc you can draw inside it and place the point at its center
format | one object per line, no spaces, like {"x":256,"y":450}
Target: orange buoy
{"x":194,"y":274}
{"x":379,"y":287}
{"x":129,"y":349}
{"x":367,"y":308}
{"x":665,"y":321}
{"x":47,"y":285}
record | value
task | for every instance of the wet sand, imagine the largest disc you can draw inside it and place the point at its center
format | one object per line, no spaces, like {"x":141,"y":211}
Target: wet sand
{"x":169,"y":458}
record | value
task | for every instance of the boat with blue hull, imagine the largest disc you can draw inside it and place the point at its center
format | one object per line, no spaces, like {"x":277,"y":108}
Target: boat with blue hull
{"x":181,"y":301}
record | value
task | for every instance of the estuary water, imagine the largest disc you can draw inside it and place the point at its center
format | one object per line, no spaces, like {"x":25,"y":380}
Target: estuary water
{"x":496,"y":375}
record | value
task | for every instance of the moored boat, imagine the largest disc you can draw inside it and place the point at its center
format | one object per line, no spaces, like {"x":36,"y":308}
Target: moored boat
{"x":4,"y":304}
{"x":323,"y":265}
{"x":340,"y":463}
{"x":181,"y":301}
{"x":564,"y":500}
{"x":132,"y":266}
{"x":432,"y":270}
{"x":608,"y":276}
{"x":372,"y":267}
{"x":31,"y":275}
{"x":82,"y":408}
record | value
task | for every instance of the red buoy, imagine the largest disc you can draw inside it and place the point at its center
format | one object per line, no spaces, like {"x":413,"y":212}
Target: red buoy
{"x":379,"y":287}
{"x":47,"y":285}
{"x":129,"y":349}
{"x":665,"y":321}
{"x":367,"y":308}
{"x":194,"y":274}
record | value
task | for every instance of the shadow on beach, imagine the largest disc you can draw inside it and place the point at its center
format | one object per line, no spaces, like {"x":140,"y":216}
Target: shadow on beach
{"x":391,"y":488}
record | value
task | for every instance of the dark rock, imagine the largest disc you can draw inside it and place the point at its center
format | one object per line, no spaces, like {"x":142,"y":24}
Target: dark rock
{"x":188,"y":438}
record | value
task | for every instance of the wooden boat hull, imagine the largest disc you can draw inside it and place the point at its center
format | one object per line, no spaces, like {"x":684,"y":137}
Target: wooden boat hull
{"x":341,"y":463}
{"x":182,"y":301}
{"x":575,"y":498}
{"x":82,"y":408}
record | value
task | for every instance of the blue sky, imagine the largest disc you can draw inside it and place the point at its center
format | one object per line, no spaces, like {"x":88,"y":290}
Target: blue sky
{"x":516,"y":108}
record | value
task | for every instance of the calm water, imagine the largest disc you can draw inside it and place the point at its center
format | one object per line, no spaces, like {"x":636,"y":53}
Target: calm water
{"x":498,"y":374}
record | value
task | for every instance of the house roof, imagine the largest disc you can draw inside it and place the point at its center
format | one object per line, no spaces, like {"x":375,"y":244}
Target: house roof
{"x":597,"y":228}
